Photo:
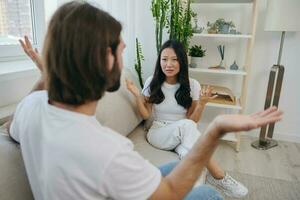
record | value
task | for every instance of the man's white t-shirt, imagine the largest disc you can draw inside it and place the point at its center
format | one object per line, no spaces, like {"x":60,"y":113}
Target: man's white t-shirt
{"x":70,"y":155}
{"x":169,"y":109}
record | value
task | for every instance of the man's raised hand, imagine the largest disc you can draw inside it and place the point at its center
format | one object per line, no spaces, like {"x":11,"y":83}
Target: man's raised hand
{"x":32,"y":53}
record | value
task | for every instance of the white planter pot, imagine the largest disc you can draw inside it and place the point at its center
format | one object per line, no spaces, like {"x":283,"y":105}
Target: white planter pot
{"x":196,"y":62}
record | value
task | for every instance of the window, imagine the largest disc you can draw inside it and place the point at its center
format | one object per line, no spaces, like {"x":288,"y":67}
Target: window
{"x":19,"y":18}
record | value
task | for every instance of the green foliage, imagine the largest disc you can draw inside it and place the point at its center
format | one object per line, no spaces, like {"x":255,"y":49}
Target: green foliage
{"x":197,"y":51}
{"x":159,"y":10}
{"x":216,"y":26}
{"x":139,"y":59}
{"x":180,"y":27}
{"x":174,"y":16}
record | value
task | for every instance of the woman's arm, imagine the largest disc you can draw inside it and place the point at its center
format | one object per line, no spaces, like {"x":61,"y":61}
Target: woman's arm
{"x":145,"y":108}
{"x":195,"y":111}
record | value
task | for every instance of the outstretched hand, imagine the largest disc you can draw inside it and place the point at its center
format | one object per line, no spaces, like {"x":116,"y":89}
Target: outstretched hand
{"x":236,"y":123}
{"x":132,"y":88}
{"x":206,"y":94}
{"x":32,"y":53}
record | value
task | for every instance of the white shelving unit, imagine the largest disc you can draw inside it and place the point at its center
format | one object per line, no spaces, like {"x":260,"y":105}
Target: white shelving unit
{"x":242,"y":36}
{"x":237,"y":106}
{"x":244,"y":73}
{"x":219,"y":71}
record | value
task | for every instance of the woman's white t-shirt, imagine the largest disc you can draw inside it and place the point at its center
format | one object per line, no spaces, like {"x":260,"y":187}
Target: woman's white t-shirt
{"x":169,"y":109}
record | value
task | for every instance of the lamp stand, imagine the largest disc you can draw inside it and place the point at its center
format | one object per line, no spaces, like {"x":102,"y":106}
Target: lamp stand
{"x":272,"y":99}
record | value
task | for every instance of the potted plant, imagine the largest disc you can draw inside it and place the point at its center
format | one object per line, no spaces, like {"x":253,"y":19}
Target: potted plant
{"x":197,"y":53}
{"x":212,"y":28}
{"x":220,"y":26}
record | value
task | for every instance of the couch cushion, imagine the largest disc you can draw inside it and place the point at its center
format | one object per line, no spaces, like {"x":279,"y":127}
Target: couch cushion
{"x":154,"y":155}
{"x":13,"y":180}
{"x":118,"y":110}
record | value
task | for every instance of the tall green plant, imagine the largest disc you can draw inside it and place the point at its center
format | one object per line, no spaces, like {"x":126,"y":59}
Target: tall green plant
{"x":174,"y":16}
{"x":159,"y":10}
{"x":180,"y":21}
{"x":139,"y":59}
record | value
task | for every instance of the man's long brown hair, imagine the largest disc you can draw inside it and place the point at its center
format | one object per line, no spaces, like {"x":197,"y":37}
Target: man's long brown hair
{"x":75,"y":53}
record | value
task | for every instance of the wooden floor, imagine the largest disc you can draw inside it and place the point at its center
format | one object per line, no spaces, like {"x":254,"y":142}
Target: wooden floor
{"x":281,"y":162}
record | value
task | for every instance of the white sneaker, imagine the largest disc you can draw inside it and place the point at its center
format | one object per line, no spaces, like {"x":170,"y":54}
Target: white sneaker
{"x":228,"y":185}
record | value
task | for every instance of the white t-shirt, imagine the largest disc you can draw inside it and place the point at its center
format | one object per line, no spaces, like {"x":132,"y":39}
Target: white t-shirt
{"x":69,"y":155}
{"x":169,"y":109}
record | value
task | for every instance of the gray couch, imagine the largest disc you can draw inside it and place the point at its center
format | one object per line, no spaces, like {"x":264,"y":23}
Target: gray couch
{"x":116,"y":110}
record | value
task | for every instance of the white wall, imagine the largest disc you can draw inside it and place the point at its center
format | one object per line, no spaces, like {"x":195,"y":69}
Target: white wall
{"x":265,"y":55}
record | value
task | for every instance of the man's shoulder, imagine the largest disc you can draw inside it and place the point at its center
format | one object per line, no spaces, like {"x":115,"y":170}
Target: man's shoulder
{"x":34,"y":97}
{"x":32,"y":100}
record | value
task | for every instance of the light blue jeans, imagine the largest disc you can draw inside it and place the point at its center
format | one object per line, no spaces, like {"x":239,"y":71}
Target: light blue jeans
{"x":203,"y":192}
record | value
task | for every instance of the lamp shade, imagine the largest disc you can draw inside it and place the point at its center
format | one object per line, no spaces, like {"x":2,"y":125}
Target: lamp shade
{"x":283,"y":15}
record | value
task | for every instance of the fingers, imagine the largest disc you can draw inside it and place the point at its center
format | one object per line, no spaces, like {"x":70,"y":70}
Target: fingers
{"x":213,"y":97}
{"x":27,"y":42}
{"x":24,"y":47}
{"x":128,"y":82}
{"x":264,"y":112}
{"x":206,"y":90}
{"x":268,"y":120}
{"x":270,"y":115}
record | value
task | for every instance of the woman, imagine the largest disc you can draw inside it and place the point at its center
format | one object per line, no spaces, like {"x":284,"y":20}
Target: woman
{"x":176,"y":103}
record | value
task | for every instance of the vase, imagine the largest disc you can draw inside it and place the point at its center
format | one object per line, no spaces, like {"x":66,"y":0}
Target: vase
{"x":224,"y":29}
{"x":222,"y":64}
{"x":234,"y":66}
{"x":196,"y":62}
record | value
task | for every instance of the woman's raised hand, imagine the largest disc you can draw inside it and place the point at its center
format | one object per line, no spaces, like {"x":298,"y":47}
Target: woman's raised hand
{"x":206,"y":94}
{"x":132,"y":88}
{"x":32,"y":53}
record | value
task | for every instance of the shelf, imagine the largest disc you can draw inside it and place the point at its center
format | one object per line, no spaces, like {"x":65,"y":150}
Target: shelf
{"x":218,"y":105}
{"x":242,"y":36}
{"x":230,"y":137}
{"x":219,"y":71}
{"x":223,"y":1}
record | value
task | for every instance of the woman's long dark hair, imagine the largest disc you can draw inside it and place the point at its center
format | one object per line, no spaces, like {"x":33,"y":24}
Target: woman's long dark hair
{"x":182,"y":95}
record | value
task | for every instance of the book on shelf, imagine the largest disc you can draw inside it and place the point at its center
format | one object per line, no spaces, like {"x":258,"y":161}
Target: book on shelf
{"x":225,"y":95}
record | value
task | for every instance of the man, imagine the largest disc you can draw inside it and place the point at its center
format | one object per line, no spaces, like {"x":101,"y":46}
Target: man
{"x":70,"y":155}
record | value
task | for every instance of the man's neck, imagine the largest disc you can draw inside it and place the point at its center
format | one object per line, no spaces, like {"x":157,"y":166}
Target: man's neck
{"x":87,"y":108}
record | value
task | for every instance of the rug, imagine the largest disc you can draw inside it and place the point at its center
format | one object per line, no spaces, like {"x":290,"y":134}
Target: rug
{"x":261,"y":188}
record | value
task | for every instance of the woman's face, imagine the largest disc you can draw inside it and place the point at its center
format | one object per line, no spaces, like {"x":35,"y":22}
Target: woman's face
{"x":169,"y":62}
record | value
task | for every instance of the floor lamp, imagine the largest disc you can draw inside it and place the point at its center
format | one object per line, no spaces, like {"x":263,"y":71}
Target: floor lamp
{"x":282,"y":16}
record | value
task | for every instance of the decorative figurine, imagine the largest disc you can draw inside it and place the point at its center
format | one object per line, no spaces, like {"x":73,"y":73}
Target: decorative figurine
{"x":234,"y":66}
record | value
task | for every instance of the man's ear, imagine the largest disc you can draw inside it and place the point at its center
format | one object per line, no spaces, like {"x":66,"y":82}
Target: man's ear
{"x":110,"y":59}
